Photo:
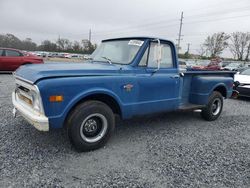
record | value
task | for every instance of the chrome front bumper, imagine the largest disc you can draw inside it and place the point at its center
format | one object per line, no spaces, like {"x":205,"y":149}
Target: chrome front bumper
{"x":39,"y":121}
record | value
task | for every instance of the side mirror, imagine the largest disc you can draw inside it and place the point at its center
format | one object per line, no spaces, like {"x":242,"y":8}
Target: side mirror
{"x":158,"y":53}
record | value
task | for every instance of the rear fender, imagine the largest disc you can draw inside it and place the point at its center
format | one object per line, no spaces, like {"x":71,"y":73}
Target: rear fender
{"x":202,"y":87}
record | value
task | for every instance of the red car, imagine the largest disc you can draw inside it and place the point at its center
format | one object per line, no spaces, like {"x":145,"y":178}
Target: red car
{"x":11,"y":59}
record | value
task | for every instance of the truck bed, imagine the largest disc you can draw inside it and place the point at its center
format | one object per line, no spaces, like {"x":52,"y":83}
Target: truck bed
{"x":198,"y":85}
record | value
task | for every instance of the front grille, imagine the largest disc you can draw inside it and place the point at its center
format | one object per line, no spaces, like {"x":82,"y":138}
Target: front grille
{"x":23,"y":88}
{"x":23,"y":94}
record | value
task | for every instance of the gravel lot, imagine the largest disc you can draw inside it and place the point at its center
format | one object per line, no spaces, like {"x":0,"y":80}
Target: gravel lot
{"x":170,"y":150}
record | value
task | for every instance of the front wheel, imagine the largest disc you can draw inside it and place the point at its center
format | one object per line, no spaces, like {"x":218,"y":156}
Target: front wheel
{"x":214,"y":107}
{"x":90,"y":125}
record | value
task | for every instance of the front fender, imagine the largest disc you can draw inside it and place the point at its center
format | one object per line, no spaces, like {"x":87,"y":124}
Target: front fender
{"x":87,"y":93}
{"x":58,"y":121}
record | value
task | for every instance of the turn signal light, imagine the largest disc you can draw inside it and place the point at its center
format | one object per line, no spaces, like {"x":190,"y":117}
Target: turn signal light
{"x":56,"y":98}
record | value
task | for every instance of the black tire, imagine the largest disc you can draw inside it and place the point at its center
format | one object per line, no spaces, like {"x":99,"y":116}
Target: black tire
{"x":214,"y":107}
{"x":90,"y":125}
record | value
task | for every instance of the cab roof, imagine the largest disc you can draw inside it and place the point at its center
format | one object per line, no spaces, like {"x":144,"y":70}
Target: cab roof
{"x":138,"y":37}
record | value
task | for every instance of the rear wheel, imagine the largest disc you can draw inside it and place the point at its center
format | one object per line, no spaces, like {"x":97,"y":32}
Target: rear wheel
{"x":214,"y":107}
{"x":90,"y":125}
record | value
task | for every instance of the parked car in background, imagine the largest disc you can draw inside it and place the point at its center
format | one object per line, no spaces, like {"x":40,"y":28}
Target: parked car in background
{"x":225,"y":63}
{"x":86,"y":57}
{"x":233,"y":66}
{"x":67,"y":55}
{"x":242,"y":69}
{"x":11,"y":59}
{"x":242,"y":83}
{"x":182,"y":63}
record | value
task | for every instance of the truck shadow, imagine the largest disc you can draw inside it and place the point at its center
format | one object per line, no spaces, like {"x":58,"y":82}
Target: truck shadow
{"x":56,"y":141}
{"x":157,"y":121}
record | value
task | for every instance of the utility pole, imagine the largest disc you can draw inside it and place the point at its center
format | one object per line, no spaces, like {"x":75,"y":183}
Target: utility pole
{"x":188,"y":44}
{"x":90,"y":35}
{"x":179,"y":35}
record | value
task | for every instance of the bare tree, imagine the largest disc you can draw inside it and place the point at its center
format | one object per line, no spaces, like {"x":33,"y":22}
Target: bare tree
{"x":202,"y":51}
{"x":47,"y":45}
{"x":76,"y":46}
{"x":10,"y":41}
{"x":248,"y":52}
{"x":216,"y":43}
{"x":88,"y":47}
{"x":28,"y":44}
{"x":63,"y":44}
{"x":239,"y":43}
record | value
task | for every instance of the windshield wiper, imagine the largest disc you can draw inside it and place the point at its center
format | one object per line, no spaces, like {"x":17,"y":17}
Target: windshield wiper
{"x":108,"y":60}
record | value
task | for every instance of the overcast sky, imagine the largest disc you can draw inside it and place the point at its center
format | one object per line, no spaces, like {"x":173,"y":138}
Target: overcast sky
{"x":72,"y":19}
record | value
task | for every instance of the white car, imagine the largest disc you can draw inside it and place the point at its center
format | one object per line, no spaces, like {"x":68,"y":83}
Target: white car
{"x":242,"y":83}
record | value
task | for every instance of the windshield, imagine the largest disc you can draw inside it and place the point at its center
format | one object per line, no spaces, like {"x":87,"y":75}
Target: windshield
{"x":246,"y":72}
{"x":117,"y":51}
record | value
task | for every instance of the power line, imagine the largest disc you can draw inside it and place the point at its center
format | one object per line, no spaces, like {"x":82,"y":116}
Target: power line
{"x":162,"y":25}
{"x":227,"y":11}
{"x":150,"y":24}
{"x":135,"y":27}
{"x":170,"y":23}
{"x":193,"y":10}
{"x":218,"y":19}
{"x":215,"y":5}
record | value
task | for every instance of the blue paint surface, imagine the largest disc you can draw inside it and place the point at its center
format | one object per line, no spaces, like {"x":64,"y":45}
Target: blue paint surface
{"x":152,"y":91}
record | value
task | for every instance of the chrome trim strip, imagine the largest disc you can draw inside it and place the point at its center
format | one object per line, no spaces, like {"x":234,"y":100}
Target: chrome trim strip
{"x":22,"y":79}
{"x":38,"y":120}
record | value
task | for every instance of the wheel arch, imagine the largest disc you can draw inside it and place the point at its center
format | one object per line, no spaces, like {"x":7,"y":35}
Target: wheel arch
{"x":221,"y":88}
{"x":103,"y":96}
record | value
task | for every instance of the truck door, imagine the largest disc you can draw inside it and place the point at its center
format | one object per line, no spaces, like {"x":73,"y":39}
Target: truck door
{"x":158,"y":88}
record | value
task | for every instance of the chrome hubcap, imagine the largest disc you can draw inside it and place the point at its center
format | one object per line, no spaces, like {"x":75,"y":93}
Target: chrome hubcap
{"x":93,"y":127}
{"x":90,"y":125}
{"x":216,"y":107}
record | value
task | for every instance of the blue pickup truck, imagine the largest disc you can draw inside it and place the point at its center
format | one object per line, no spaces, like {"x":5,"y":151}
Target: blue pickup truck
{"x":128,"y":77}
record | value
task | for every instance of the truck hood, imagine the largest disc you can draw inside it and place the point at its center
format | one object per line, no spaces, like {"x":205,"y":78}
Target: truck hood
{"x":33,"y":73}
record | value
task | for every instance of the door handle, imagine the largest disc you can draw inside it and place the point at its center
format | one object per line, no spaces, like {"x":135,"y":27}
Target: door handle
{"x":175,"y":76}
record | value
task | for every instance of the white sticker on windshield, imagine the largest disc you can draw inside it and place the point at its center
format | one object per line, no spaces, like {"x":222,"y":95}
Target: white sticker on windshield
{"x":136,"y":42}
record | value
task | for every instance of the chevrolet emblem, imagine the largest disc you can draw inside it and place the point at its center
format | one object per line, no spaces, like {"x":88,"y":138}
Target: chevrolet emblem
{"x":128,"y":87}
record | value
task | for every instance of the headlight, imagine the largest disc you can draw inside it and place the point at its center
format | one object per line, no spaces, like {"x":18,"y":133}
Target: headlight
{"x":36,"y":101}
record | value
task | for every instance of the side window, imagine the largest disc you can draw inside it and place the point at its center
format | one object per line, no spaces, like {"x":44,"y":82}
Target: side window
{"x":12,"y":53}
{"x":166,"y":56}
{"x":1,"y":52}
{"x":144,"y":59}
